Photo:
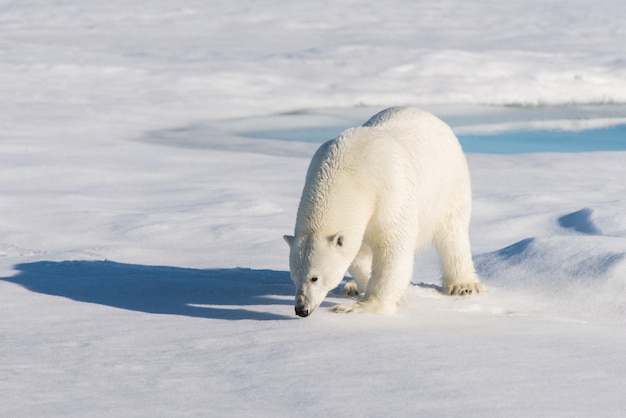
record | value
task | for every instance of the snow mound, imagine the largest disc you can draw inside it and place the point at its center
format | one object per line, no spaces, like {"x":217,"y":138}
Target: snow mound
{"x":554,"y":262}
{"x":586,"y":270}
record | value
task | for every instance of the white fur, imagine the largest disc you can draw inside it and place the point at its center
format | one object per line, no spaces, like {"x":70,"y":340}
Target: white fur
{"x":373,"y":197}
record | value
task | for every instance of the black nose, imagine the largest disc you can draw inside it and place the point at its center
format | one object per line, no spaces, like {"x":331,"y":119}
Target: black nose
{"x":300,"y":311}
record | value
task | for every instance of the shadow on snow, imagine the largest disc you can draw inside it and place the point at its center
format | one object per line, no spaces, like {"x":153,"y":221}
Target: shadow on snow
{"x":214,"y":293}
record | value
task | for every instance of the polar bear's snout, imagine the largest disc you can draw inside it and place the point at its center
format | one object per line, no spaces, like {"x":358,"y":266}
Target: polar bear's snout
{"x":302,"y":311}
{"x":301,"y":305}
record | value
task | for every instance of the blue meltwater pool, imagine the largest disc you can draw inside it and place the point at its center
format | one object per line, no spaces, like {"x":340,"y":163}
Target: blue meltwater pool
{"x":517,"y":142}
{"x":513,"y":142}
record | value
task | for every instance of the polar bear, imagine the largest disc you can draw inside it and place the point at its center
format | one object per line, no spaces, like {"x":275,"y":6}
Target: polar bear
{"x":373,"y":197}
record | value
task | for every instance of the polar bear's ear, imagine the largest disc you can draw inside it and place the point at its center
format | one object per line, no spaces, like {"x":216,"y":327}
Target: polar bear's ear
{"x":337,"y":240}
{"x":289,"y":239}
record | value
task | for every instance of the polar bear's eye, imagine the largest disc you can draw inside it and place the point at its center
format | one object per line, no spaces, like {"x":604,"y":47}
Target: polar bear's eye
{"x":336,"y":240}
{"x":314,"y":279}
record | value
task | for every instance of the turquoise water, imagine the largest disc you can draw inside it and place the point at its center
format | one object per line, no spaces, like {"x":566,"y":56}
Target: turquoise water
{"x":514,"y":142}
{"x":517,"y":142}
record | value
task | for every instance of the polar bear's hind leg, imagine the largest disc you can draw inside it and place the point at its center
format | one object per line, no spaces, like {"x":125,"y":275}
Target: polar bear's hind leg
{"x":453,"y":246}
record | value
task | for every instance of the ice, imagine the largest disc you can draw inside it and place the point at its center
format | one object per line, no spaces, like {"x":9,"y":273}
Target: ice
{"x":142,"y":266}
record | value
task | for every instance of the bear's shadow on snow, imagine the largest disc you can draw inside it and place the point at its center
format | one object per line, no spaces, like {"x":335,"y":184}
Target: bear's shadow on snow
{"x":230,"y":294}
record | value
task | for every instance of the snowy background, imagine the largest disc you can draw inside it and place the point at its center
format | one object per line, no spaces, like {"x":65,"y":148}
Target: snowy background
{"x":145,"y":185}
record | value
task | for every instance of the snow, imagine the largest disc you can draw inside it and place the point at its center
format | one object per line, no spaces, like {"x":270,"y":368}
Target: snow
{"x":146,"y":182}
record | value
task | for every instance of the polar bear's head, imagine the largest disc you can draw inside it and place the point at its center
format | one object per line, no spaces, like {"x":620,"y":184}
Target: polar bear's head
{"x":317,"y":264}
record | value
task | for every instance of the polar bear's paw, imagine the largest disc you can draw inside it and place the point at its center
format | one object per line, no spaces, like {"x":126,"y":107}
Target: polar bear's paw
{"x":350,"y":289}
{"x":464,"y":289}
{"x":370,"y":306}
{"x":349,"y":307}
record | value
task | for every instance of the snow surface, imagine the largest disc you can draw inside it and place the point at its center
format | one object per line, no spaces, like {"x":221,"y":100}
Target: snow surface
{"x":142,"y":269}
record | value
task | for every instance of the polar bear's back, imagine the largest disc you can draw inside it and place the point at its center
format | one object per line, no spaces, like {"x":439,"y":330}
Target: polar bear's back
{"x":422,"y":137}
{"x":394,"y":145}
{"x":412,"y":119}
{"x":395,"y":116}
{"x":398,"y":158}
{"x":420,"y":133}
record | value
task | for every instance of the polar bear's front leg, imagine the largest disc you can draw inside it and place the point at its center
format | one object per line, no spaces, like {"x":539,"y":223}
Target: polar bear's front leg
{"x":392,"y":269}
{"x":350,"y":289}
{"x":360,"y":270}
